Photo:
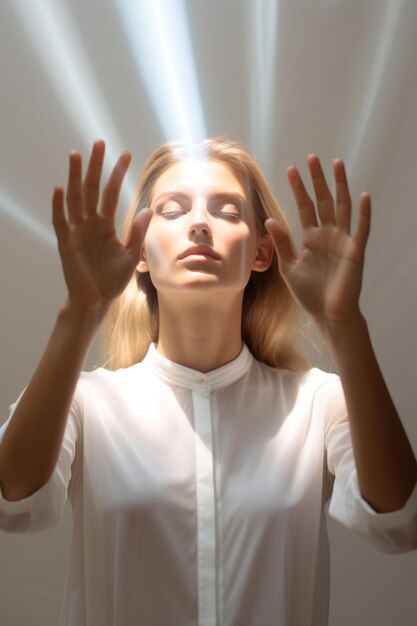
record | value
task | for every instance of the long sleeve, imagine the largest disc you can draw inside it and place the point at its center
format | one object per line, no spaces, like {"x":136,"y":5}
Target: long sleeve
{"x":44,"y":508}
{"x":395,"y":531}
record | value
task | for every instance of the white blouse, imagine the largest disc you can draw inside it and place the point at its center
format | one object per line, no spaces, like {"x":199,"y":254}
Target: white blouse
{"x":199,"y":499}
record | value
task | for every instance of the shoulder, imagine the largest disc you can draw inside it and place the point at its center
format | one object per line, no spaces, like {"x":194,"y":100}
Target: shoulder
{"x":105,"y":382}
{"x":102,"y":374}
{"x":311,"y":388}
{"x":313,"y":378}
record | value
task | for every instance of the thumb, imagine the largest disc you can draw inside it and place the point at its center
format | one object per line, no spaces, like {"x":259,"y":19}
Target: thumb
{"x":138,"y":231}
{"x":283,"y":247}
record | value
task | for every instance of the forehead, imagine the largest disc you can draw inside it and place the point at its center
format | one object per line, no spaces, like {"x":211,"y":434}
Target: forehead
{"x":198,"y":177}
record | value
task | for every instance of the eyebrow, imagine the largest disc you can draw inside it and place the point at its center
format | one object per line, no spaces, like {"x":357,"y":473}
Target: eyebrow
{"x":223,"y":195}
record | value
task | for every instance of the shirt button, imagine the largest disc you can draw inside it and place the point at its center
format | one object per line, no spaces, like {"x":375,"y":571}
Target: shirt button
{"x":201,"y":380}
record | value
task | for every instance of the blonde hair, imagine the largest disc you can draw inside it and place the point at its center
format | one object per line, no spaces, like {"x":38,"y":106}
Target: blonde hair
{"x":270,"y":319}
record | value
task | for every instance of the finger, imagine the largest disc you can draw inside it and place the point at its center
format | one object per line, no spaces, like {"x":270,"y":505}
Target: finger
{"x":59,"y":220}
{"x":364,"y":223}
{"x":305,"y":204}
{"x":324,"y":198}
{"x":111,"y":191}
{"x":282,"y":244}
{"x":91,"y":186}
{"x":343,"y":199}
{"x":74,"y":196}
{"x":138,"y":231}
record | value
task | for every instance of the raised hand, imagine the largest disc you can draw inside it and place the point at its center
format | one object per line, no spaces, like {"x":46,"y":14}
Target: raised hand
{"x":96,"y":265}
{"x":326,"y":277}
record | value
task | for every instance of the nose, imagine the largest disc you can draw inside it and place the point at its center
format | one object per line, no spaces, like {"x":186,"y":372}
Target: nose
{"x":200,"y":228}
{"x":199,"y":221}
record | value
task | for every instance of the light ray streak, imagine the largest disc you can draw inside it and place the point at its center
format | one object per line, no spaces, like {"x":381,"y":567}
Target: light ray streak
{"x":160,"y":43}
{"x":376,"y":82}
{"x":50,"y":28}
{"x":263,"y":34}
{"x":12,"y":210}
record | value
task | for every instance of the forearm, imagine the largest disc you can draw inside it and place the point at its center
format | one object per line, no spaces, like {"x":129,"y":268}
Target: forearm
{"x":385,"y":463}
{"x":31,"y":444}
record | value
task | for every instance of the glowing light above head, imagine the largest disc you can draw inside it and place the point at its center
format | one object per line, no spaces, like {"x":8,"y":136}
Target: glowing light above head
{"x":49,"y":27}
{"x":10,"y":208}
{"x":196,"y":173}
{"x":160,"y":43}
{"x":263,"y":33}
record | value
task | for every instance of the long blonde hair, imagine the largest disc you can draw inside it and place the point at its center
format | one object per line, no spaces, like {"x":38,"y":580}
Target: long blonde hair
{"x":270,"y":320}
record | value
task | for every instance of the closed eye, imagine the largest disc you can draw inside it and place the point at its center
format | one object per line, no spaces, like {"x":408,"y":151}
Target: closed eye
{"x":173,"y":208}
{"x":230,"y":210}
{"x":170,"y":209}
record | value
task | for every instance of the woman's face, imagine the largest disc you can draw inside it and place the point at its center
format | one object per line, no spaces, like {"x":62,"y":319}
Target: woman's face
{"x":199,"y":205}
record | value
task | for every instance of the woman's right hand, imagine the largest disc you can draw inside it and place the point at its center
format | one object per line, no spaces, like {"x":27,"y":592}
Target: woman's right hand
{"x":96,"y":265}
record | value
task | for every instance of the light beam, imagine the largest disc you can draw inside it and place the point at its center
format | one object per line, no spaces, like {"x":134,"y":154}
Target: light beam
{"x":12,"y":210}
{"x":263,"y":27}
{"x":160,"y":43}
{"x":50,"y":28}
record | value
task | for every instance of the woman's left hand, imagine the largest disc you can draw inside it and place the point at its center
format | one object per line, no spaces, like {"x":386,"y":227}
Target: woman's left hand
{"x":326,"y":277}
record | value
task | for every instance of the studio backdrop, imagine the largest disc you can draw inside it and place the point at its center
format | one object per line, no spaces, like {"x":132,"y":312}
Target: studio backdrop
{"x":285,"y":78}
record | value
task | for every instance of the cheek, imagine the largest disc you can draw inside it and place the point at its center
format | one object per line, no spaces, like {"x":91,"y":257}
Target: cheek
{"x":243,"y":245}
{"x":240,"y":257}
{"x":156,"y":250}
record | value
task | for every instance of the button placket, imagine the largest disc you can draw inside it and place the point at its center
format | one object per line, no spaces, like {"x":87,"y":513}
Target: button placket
{"x":206,"y":521}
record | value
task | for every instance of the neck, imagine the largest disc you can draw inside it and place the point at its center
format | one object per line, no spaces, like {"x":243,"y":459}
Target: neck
{"x":202,"y":335}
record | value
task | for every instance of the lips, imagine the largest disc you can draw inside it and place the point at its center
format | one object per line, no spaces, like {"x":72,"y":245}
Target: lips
{"x":199,"y":250}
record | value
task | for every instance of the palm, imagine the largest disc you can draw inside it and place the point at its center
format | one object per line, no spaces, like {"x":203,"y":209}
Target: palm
{"x":326,"y":276}
{"x":96,"y":265}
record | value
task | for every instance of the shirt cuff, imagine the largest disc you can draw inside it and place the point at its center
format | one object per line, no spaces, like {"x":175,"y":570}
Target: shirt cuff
{"x":391,"y":519}
{"x":41,"y":510}
{"x":394,"y":531}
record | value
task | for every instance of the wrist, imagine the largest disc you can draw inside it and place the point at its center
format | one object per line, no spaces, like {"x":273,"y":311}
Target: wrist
{"x":82,"y":319}
{"x":342,"y":330}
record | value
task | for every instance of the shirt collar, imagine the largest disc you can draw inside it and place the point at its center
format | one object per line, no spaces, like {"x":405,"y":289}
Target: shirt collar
{"x":181,"y":376}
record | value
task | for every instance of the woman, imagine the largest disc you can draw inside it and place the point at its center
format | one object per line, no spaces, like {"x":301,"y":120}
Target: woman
{"x":199,"y":466}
